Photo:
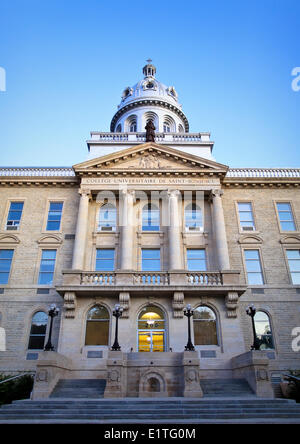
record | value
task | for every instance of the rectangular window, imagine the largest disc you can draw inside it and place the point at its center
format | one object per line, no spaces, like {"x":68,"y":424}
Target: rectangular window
{"x":150,"y":259}
{"x":14,"y":215}
{"x":54,"y":216}
{"x":294,"y":265}
{"x":105,"y":260}
{"x":5,"y":265}
{"x":285,"y":215}
{"x":196,"y":260}
{"x":47,"y":267}
{"x":246,"y":216}
{"x":253,"y":267}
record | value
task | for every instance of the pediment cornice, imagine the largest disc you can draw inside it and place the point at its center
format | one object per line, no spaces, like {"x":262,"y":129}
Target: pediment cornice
{"x":150,"y":158}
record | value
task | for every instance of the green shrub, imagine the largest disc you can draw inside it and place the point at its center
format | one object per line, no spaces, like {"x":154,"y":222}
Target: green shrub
{"x":19,"y":388}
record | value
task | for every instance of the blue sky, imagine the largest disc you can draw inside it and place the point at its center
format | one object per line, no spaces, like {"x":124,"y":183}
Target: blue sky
{"x":67,"y":63}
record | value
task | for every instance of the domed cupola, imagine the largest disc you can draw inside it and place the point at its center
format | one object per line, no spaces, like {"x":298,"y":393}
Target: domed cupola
{"x":147,"y":100}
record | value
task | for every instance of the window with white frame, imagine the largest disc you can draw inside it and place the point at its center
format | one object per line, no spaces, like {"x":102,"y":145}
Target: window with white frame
{"x":107,"y":218}
{"x":150,"y":218}
{"x":14,"y":215}
{"x":54,"y":216}
{"x":293,"y":257}
{"x":193,"y":217}
{"x":285,"y":216}
{"x":253,"y":267}
{"x":105,"y":259}
{"x":47,"y":267}
{"x":150,"y":259}
{"x":6,"y":257}
{"x":196,"y":259}
{"x":246,"y":216}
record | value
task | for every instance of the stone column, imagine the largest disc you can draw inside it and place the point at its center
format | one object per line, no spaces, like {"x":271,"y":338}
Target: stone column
{"x":175,"y":260}
{"x":219,"y":230}
{"x":127,"y":229}
{"x":81,"y":229}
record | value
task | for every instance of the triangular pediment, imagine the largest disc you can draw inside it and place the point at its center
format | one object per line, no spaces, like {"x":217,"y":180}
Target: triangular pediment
{"x":150,"y":157}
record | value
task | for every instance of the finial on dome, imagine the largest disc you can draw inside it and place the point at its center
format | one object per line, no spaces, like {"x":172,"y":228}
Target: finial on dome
{"x":149,"y":70}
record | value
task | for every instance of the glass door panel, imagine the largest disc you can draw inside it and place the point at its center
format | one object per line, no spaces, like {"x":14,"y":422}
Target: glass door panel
{"x":151,"y":341}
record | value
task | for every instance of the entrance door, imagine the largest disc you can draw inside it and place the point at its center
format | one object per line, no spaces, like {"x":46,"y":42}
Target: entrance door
{"x":151,"y":341}
{"x":151,"y":330}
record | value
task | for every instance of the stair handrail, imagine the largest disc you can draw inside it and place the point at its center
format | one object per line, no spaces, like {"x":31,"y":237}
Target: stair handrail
{"x":292,"y":377}
{"x":17,"y":376}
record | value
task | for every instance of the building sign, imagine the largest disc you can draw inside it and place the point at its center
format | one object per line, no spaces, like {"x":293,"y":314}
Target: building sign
{"x":148,"y":181}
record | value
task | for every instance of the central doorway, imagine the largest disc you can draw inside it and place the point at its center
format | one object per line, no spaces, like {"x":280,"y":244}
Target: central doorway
{"x":151,"y":330}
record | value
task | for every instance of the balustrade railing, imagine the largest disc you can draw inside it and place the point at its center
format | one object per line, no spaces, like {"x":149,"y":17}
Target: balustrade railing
{"x":143,"y":278}
{"x":98,"y":278}
{"x":204,"y":278}
{"x":151,"y":278}
{"x":141,"y":137}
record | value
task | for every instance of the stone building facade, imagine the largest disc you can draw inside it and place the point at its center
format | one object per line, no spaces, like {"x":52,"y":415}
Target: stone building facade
{"x":152,"y":226}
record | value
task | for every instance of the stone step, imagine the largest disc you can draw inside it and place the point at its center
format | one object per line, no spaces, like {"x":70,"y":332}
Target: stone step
{"x":142,"y":416}
{"x":136,"y":409}
{"x":226,"y":387}
{"x":79,"y":388}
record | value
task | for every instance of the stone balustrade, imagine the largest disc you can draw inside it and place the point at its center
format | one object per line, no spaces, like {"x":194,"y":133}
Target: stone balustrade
{"x":97,"y":278}
{"x":141,"y":137}
{"x":204,"y":278}
{"x":150,"y":278}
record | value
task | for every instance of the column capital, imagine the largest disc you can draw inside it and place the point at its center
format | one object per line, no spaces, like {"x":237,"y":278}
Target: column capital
{"x":217,"y":192}
{"x":125,"y":192}
{"x":173,"y":193}
{"x":85,"y":192}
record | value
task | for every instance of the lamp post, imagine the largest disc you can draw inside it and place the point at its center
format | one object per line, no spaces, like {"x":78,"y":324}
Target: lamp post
{"x":53,"y":311}
{"x":189,"y":313}
{"x":251,"y":310}
{"x":117,"y":313}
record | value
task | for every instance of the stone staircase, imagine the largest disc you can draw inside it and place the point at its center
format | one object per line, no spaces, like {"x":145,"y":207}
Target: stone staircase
{"x":79,"y":388}
{"x":226,"y":388}
{"x":145,"y":410}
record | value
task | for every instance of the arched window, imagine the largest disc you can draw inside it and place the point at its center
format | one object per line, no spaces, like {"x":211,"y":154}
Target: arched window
{"x":193,"y":217}
{"x":205,"y":326}
{"x":38,"y":331}
{"x":107,"y":218}
{"x":180,"y":128}
{"x":150,"y":115}
{"x":97,"y":326}
{"x":150,"y":218}
{"x":263,"y":330}
{"x":168,"y":125}
{"x":131,"y":124}
{"x":119,"y":129}
{"x":167,"y":128}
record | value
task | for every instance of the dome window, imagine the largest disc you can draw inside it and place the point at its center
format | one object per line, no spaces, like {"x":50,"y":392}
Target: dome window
{"x":119,"y":128}
{"x":132,"y":124}
{"x":168,"y":125}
